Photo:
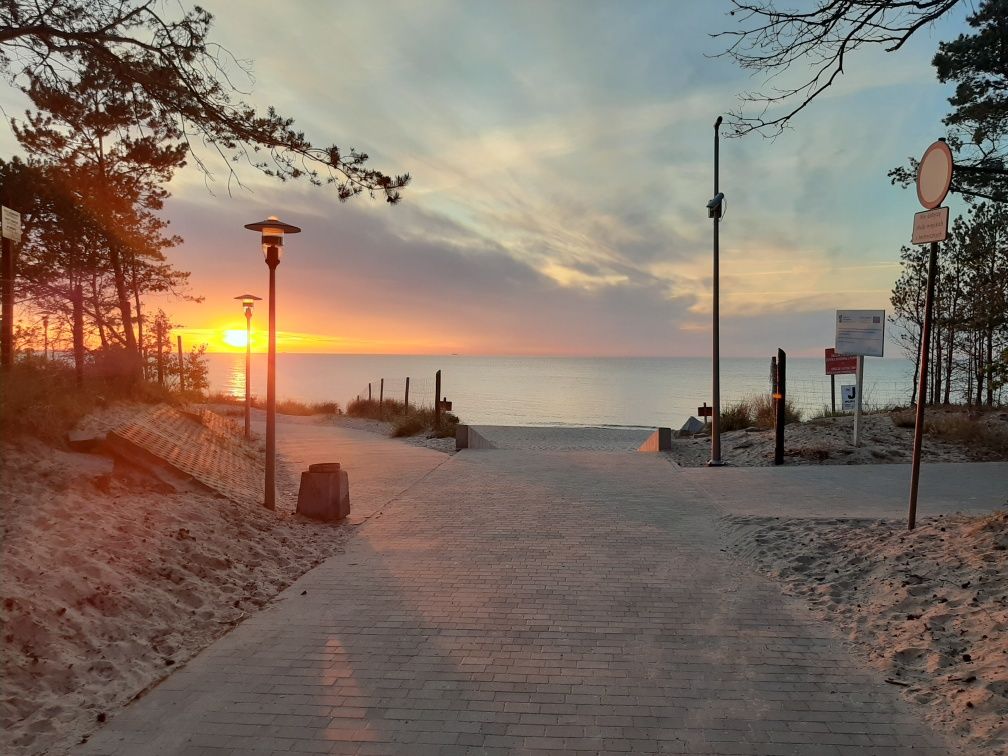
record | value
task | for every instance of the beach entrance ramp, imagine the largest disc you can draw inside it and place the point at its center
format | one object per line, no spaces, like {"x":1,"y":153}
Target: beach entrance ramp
{"x":553,"y":438}
{"x":204,"y":446}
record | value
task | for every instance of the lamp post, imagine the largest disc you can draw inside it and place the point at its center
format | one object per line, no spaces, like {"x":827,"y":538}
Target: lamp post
{"x":272,"y":230}
{"x":714,"y":210}
{"x":248,"y":302}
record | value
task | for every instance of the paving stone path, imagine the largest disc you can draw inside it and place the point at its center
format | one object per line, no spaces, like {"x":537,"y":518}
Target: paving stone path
{"x":528,"y":602}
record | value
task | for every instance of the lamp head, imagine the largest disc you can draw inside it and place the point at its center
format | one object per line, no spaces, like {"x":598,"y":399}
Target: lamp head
{"x":248,"y":300}
{"x":714,"y":205}
{"x":273,"y":230}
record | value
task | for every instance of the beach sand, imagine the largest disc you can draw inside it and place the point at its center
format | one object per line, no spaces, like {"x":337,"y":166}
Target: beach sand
{"x":110,"y":580}
{"x":928,"y":607}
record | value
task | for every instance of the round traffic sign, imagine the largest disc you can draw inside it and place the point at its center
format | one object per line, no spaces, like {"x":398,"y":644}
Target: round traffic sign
{"x":934,"y":175}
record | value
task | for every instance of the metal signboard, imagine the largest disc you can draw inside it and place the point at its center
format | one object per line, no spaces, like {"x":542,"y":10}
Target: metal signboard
{"x":849,"y":396}
{"x":860,"y":332}
{"x":930,"y":226}
{"x":934,"y":175}
{"x":11,"y":224}
{"x":840,"y":364}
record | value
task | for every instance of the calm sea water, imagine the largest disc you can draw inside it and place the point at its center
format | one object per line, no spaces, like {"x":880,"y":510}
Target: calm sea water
{"x":553,"y":390}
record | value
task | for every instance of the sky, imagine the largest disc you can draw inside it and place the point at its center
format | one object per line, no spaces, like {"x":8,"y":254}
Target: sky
{"x":561,"y":156}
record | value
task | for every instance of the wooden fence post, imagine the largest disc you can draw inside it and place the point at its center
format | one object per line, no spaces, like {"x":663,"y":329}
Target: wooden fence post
{"x":181,"y":366}
{"x":406,"y":400}
{"x":437,"y":400}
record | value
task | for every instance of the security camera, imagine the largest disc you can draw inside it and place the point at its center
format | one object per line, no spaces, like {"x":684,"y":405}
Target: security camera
{"x":714,"y":206}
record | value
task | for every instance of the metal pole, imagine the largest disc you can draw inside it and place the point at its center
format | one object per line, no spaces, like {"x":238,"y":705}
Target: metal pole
{"x":181,"y":367}
{"x":857,"y":400}
{"x":248,"y":373}
{"x":272,"y":260}
{"x":715,"y":460}
{"x":832,"y":393}
{"x":780,"y":399}
{"x":922,"y":378}
{"x":7,"y":308}
{"x":45,"y":342}
{"x":78,"y":334}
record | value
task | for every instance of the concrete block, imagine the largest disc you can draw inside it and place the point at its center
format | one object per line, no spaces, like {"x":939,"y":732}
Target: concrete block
{"x":659,"y":441}
{"x":324,"y":493}
{"x":468,"y":438}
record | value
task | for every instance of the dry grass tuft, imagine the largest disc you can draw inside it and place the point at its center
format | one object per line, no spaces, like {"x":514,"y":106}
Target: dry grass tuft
{"x":757,"y":411}
{"x":407,"y":420}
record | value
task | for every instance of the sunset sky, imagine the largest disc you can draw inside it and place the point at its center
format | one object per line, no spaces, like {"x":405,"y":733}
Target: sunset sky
{"x":561,"y":155}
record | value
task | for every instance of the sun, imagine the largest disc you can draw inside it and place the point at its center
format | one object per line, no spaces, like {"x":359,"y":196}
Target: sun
{"x":236,"y":338}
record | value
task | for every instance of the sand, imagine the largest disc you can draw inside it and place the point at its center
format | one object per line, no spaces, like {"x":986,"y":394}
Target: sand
{"x":109,"y":580}
{"x":830,"y":441}
{"x":928,"y":607}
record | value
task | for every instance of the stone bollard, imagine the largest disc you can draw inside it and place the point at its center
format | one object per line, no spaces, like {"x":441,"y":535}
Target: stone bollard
{"x":324,"y":493}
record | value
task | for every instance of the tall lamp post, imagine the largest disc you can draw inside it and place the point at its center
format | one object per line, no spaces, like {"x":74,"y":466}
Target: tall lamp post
{"x":248,"y":302}
{"x":714,"y":210}
{"x":272,"y":230}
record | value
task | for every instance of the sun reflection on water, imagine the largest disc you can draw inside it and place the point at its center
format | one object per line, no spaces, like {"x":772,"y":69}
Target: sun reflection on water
{"x":236,"y":379}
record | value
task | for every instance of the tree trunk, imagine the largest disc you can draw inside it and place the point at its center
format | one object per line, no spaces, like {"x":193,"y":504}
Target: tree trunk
{"x":78,"y":333}
{"x":125,"y":309}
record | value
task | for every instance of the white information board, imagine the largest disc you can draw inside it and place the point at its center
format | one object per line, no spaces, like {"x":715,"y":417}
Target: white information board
{"x":860,"y":332}
{"x":10,"y":221}
{"x":849,"y":396}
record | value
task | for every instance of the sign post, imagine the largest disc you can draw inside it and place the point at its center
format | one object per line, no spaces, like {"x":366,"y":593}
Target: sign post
{"x":934,"y":178}
{"x":10,"y":232}
{"x":860,"y":333}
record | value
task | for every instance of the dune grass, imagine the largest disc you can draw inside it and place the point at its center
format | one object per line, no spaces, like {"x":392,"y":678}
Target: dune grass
{"x":41,"y":398}
{"x":406,"y":420}
{"x":755,"y":411}
{"x":284,"y":406}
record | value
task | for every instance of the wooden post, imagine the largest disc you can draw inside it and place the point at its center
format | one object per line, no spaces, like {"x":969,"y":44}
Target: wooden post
{"x":381,"y":393}
{"x":780,"y":397}
{"x":369,"y":391}
{"x":437,"y":399}
{"x":181,"y":366}
{"x":406,"y":399}
{"x":159,"y":335}
{"x":857,"y":400}
{"x":7,"y":308}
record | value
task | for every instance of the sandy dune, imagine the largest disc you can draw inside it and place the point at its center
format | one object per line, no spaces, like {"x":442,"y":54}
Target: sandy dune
{"x":928,"y":607}
{"x":830,"y":441}
{"x":110,"y":579}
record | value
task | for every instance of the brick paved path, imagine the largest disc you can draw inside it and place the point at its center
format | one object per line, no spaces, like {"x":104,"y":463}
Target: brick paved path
{"x":517,"y":601}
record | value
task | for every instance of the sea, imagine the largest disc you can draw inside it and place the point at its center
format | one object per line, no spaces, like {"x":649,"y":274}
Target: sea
{"x":560,"y":391}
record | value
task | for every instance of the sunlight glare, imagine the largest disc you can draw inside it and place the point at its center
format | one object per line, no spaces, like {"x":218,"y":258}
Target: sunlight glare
{"x":235,"y":338}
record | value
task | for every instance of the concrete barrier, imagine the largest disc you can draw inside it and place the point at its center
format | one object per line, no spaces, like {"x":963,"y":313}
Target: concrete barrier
{"x":659,"y":441}
{"x":467,"y":438}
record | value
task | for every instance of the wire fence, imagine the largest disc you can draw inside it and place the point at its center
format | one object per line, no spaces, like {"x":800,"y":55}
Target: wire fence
{"x":812,"y":396}
{"x":420,"y":391}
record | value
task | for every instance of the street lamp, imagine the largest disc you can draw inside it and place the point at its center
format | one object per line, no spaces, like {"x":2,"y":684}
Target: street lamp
{"x":714,"y":210}
{"x":272,"y":230}
{"x":248,"y":302}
